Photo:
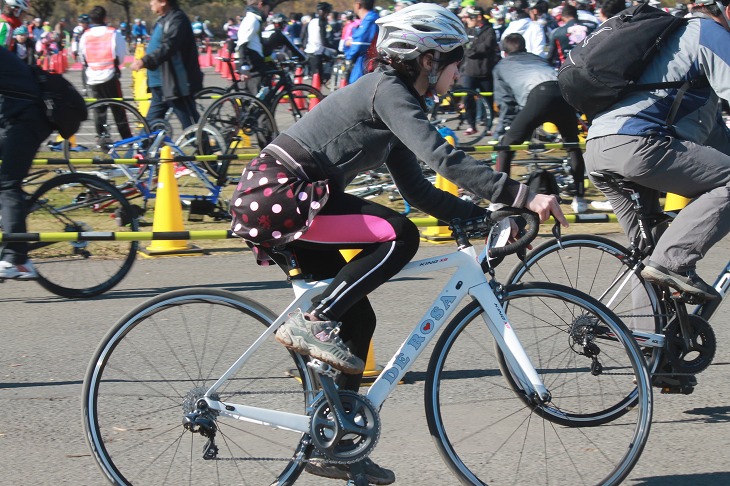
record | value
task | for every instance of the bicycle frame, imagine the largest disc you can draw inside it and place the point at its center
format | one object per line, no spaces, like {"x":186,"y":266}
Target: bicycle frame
{"x":468,"y":279}
{"x":143,"y":184}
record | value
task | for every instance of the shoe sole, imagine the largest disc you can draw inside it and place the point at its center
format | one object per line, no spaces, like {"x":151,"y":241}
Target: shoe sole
{"x":300,"y":346}
{"x":339,"y":474}
{"x":657,"y":277}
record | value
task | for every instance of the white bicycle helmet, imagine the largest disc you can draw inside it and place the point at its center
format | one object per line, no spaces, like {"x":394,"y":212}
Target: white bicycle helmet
{"x":422,"y":27}
{"x":21,"y":4}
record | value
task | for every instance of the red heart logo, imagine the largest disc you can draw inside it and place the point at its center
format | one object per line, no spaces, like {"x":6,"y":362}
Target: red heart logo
{"x":427,"y":326}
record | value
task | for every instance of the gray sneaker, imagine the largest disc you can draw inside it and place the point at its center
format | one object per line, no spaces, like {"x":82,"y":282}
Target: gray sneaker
{"x":687,"y":281}
{"x":374,"y":473}
{"x":320,"y":340}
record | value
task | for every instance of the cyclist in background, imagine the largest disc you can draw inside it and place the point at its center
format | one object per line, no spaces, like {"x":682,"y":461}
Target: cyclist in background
{"x":689,"y":155}
{"x":198,"y":31}
{"x":78,"y":31}
{"x":23,"y":127}
{"x":276,"y":42}
{"x":294,"y":193}
{"x":139,"y":31}
{"x":231,"y":30}
{"x":11,"y":20}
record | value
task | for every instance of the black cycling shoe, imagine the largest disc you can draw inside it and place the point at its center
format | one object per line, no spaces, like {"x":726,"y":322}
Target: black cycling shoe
{"x":374,"y":473}
{"x":679,"y":384}
{"x":688,"y":282}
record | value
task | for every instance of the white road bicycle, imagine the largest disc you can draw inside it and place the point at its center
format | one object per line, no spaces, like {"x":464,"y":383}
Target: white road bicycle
{"x":192,"y":388}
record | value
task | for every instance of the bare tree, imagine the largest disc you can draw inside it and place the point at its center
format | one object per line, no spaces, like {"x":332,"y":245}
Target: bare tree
{"x":126,"y":5}
{"x":43,"y":8}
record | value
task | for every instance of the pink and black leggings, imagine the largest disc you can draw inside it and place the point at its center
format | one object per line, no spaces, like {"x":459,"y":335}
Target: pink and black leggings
{"x":388,"y":241}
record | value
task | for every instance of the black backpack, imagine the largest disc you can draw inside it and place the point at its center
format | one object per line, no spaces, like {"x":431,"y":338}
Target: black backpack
{"x":607,"y":64}
{"x":64,"y":105}
{"x":542,"y":181}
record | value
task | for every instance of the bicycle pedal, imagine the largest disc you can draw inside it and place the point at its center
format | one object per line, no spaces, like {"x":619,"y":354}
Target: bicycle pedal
{"x":323,"y":368}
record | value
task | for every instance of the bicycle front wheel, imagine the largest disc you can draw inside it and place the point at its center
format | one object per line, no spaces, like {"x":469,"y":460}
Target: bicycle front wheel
{"x":77,"y":202}
{"x":159,"y":360}
{"x":488,"y":431}
{"x":290,"y":106}
{"x":244,"y":122}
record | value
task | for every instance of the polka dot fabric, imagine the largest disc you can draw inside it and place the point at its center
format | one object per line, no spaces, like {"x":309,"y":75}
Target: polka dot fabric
{"x":271,"y":206}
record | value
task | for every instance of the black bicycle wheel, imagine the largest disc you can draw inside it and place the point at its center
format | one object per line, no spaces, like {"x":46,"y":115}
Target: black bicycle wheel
{"x":107,"y":132}
{"x":157,"y":362}
{"x":290,"y":106}
{"x":599,"y":267}
{"x":450,"y":112}
{"x":206,"y":97}
{"x":244,"y":122}
{"x":214,"y":144}
{"x":514,"y":439}
{"x":77,"y":202}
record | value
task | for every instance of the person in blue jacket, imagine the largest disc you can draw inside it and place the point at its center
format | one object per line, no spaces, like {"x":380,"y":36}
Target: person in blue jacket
{"x":356,"y":48}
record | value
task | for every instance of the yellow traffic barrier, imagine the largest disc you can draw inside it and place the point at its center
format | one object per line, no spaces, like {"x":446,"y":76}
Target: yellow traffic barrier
{"x":675,"y":202}
{"x":168,"y":212}
{"x":139,"y":83}
{"x":442,"y":233}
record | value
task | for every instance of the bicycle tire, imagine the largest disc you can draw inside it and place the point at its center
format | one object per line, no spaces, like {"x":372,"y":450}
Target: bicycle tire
{"x":289,"y":106}
{"x":558,"y":442}
{"x":188,"y":145}
{"x":243,"y":120}
{"x":590,"y":264}
{"x":166,"y":351}
{"x":450,"y":114}
{"x":76,"y":202}
{"x":87,"y":143}
{"x":205,"y":97}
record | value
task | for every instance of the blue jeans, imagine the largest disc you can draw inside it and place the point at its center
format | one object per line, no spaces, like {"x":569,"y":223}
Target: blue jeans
{"x":183,"y":107}
{"x":23,"y":127}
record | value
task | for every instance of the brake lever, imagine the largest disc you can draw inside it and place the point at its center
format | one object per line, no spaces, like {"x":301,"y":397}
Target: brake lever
{"x":557,"y":234}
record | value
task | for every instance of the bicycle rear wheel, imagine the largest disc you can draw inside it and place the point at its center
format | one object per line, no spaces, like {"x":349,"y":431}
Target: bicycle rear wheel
{"x":105,"y":134}
{"x":158,"y":360}
{"x":77,"y":202}
{"x":488,"y":431}
{"x":213,"y":145}
{"x":597,"y":266}
{"x":290,"y":106}
{"x":244,"y":122}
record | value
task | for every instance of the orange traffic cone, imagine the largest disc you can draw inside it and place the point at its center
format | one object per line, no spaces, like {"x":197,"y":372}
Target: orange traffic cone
{"x":168,"y":212}
{"x":299,"y":75}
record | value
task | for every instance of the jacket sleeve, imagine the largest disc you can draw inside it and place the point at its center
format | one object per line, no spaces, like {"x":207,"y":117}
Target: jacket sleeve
{"x":171,"y":39}
{"x":403,"y":116}
{"x":362,"y":36}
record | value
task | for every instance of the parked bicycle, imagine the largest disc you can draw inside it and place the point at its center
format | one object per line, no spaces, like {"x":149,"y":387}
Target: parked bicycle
{"x":128,"y":135}
{"x":190,"y":387}
{"x":63,"y":202}
{"x":677,"y":344}
{"x":286,"y":100}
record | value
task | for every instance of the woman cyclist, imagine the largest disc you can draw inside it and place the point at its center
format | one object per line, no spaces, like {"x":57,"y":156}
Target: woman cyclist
{"x":293,"y":193}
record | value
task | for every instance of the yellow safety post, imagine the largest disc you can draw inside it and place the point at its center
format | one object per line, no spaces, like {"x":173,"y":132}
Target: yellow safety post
{"x":442,"y":233}
{"x":675,"y":202}
{"x":139,"y":83}
{"x":372,"y":370}
{"x":168,"y":211}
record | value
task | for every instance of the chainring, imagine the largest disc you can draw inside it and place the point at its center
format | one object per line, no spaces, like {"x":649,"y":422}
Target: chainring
{"x":703,"y":345}
{"x":352,"y":447}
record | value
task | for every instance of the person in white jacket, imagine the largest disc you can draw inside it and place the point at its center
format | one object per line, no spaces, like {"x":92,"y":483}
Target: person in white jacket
{"x":522,"y":24}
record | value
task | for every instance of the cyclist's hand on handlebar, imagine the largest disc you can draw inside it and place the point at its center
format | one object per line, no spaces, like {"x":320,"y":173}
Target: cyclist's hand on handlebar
{"x":545,"y":205}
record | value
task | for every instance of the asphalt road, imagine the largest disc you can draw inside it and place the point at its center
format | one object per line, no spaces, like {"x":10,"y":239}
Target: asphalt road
{"x":46,"y":343}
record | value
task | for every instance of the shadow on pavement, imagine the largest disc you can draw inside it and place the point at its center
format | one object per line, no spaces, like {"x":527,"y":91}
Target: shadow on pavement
{"x":708,"y":479}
